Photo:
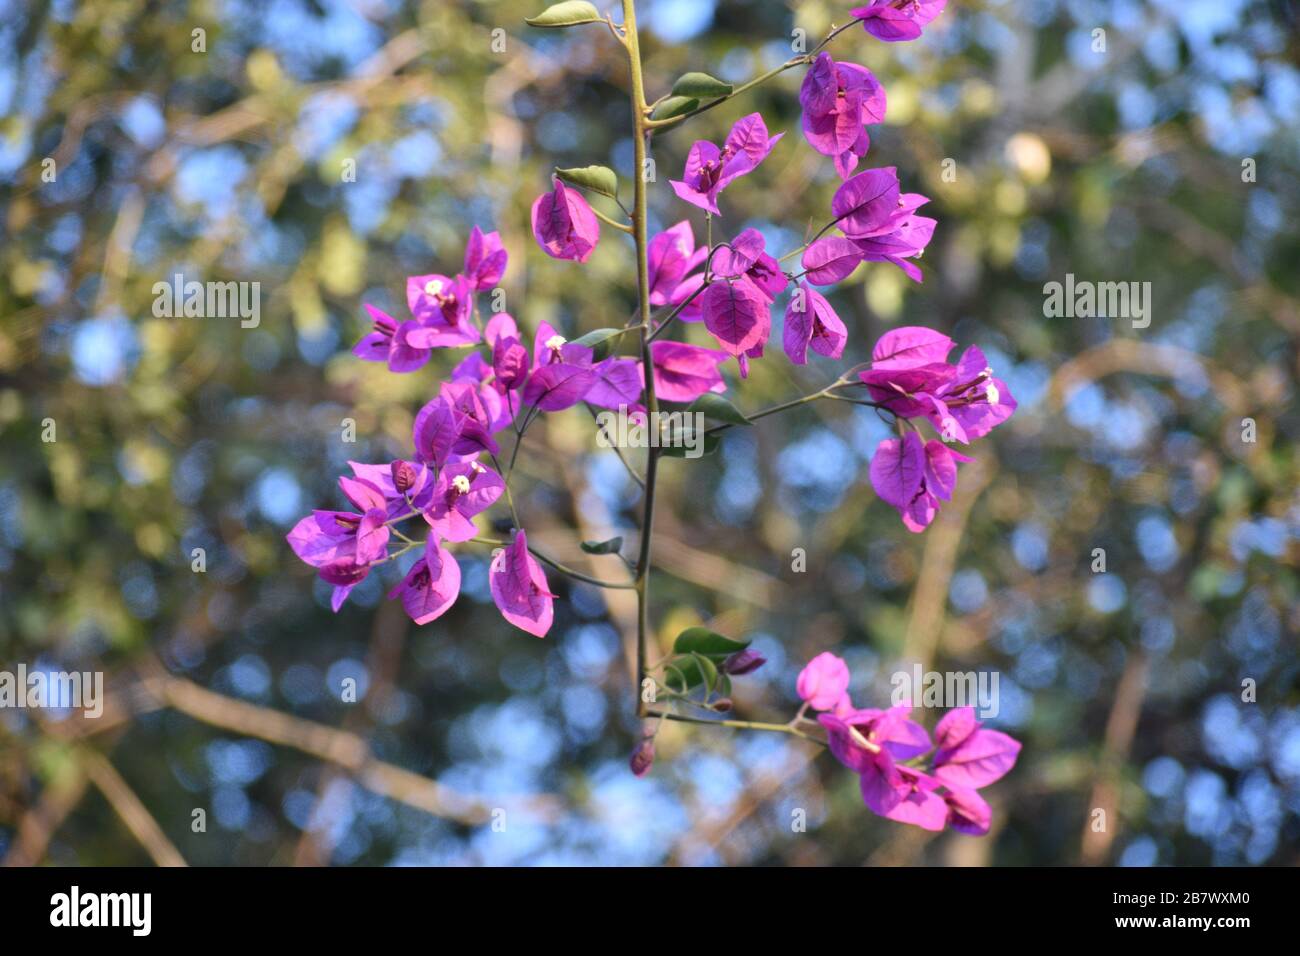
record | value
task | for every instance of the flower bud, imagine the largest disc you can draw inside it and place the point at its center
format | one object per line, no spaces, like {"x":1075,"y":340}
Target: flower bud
{"x":643,"y":757}
{"x":404,"y":476}
{"x":743,"y":662}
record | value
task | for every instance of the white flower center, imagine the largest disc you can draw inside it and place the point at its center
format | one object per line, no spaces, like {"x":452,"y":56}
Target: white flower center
{"x":461,"y":484}
{"x":992,"y":392}
{"x":555,"y":341}
{"x":433,"y":286}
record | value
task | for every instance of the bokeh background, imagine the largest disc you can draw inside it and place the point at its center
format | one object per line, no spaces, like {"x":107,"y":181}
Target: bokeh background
{"x":175,"y":434}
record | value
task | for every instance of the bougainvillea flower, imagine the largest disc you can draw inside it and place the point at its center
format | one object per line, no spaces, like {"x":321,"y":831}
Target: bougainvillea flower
{"x":869,"y":742}
{"x":562,"y":373}
{"x":919,"y":805}
{"x":671,"y":256}
{"x":432,"y":584}
{"x":737,"y":313}
{"x":975,"y":399}
{"x":742,"y":662}
{"x":968,"y":812}
{"x":436,"y":430}
{"x":709,"y":169}
{"x":503,"y":375}
{"x":910,"y":376}
{"x":564,"y":225}
{"x":478,"y":392}
{"x":520,"y":589}
{"x":342,"y":544}
{"x":617,"y":384}
{"x":462,"y":491}
{"x":912,"y":476}
{"x":838,"y":100}
{"x":372,"y":530}
{"x":483,"y":414}
{"x":388,"y":343}
{"x":443,"y":308}
{"x":510,"y":363}
{"x":861,"y":740}
{"x":810,"y":322}
{"x":879,"y":225}
{"x":824,"y":681}
{"x":685,"y":372}
{"x":891,"y":728}
{"x":485,"y":259}
{"x":344,"y":576}
{"x":969,"y":756}
{"x":746,"y":257}
{"x":907,"y":238}
{"x":892,"y":20}
{"x":868,"y":203}
{"x":643,"y":757}
{"x":830,"y":260}
{"x":325,"y":537}
{"x":910,"y":346}
{"x":397,"y":481}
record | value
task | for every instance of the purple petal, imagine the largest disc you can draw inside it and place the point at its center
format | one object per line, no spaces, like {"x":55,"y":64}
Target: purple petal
{"x":897,"y":469}
{"x":954,"y":727}
{"x":830,"y":260}
{"x":738,"y":318}
{"x":982,"y":758}
{"x":865,"y":205}
{"x":618,"y":384}
{"x":910,"y":346}
{"x":823,"y":681}
{"x":557,"y":386}
{"x":520,"y":590}
{"x":685,"y":372}
{"x":432,"y":584}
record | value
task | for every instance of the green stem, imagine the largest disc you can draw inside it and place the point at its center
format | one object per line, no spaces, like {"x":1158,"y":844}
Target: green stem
{"x":621,"y":226}
{"x":640,"y":130}
{"x":737,"y":724}
{"x":762,"y":78}
{"x":505,"y":481}
{"x":618,"y":451}
{"x":827,"y":392}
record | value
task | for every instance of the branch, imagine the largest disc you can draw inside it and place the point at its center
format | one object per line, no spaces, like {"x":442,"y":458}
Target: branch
{"x":339,"y":747}
{"x":131,"y":810}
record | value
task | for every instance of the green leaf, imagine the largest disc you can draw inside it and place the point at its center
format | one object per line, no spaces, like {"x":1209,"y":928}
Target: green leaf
{"x":701,"y":86}
{"x":612,"y":546}
{"x":600,"y":341}
{"x":700,"y":640}
{"x":683,"y":443}
{"x":674,"y":106}
{"x":571,"y":13}
{"x":694,"y":670}
{"x":719,"y":409}
{"x":599,"y":179}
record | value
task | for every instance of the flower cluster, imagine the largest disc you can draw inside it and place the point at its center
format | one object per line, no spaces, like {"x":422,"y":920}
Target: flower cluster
{"x":903,"y":776}
{"x":910,"y":376}
{"x":504,"y":382}
{"x":445,"y":483}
